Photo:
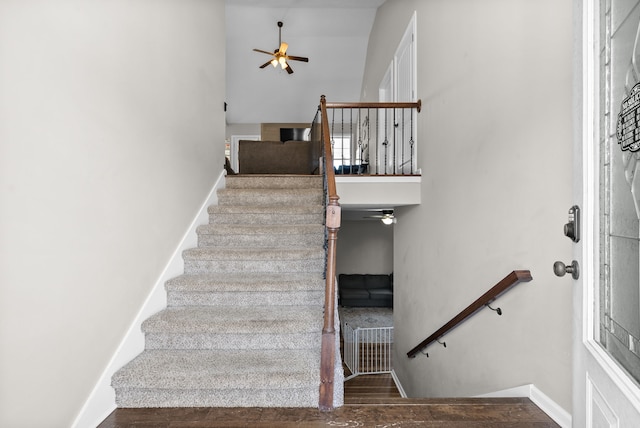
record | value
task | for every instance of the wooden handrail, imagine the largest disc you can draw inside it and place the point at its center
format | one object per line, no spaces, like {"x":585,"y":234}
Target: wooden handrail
{"x":505,"y":284}
{"x":417,"y":105}
{"x":328,"y":352}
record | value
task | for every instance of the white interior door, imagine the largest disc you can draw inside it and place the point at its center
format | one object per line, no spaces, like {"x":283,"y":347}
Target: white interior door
{"x":607,"y":293}
{"x":397,"y":150}
{"x":405,"y":91}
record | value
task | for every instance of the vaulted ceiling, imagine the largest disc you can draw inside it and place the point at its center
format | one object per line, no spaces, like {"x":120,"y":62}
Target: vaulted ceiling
{"x":333,"y":34}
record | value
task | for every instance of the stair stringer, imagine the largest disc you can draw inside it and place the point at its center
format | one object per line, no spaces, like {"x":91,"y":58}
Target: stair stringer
{"x":102,"y":400}
{"x":338,"y":373}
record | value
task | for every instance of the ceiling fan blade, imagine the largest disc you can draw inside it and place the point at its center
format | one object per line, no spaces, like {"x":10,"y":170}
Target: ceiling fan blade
{"x":383,"y":214}
{"x":298,"y":58}
{"x":265,"y":64}
{"x":289,"y":69}
{"x":264,"y":52}
{"x":283,"y":48}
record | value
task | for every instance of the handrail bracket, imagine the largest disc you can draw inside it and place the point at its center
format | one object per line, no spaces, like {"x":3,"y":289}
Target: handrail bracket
{"x":515,"y":277}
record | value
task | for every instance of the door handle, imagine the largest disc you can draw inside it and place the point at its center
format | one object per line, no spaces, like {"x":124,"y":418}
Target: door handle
{"x":560,"y":269}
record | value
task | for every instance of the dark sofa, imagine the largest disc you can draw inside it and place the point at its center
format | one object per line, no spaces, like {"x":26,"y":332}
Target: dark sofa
{"x":365,"y":290}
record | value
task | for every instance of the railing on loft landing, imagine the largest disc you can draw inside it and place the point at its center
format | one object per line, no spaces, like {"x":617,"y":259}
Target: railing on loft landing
{"x":373,"y":138}
{"x":356,"y":138}
{"x":514,"y":278}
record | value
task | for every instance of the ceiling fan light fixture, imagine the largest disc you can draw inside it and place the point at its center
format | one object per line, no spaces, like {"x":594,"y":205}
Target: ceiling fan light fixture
{"x":280,"y":55}
{"x":388,"y":220}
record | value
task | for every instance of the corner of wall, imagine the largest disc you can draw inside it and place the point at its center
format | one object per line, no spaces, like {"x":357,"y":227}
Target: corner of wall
{"x":403,"y":393}
{"x":550,"y":407}
{"x":101,"y":402}
{"x":540,"y":399}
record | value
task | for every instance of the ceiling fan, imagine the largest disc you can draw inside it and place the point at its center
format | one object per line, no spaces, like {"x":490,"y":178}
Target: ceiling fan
{"x":387,"y":217}
{"x":280,"y":55}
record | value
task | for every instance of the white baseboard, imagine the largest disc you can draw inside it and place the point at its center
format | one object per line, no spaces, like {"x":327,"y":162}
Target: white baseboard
{"x":550,"y":407}
{"x":540,"y":399}
{"x":396,"y":380}
{"x":102,"y":400}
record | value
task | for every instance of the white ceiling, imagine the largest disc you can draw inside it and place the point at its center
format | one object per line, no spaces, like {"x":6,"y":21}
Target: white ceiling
{"x":333,"y":34}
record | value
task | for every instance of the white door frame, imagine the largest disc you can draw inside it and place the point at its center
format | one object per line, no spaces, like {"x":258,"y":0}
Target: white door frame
{"x":388,"y":91}
{"x":603,"y":393}
{"x":408,"y":38}
{"x":233,"y":149}
{"x":405,"y":82}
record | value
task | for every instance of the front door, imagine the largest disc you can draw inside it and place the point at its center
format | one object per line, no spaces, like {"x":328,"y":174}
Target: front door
{"x":607,"y":291}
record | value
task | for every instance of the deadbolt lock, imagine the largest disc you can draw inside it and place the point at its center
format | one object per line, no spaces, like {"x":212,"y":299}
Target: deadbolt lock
{"x":572,"y":228}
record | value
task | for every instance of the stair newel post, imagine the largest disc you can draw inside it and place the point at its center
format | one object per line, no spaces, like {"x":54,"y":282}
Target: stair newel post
{"x":328,"y":354}
{"x":327,"y":367}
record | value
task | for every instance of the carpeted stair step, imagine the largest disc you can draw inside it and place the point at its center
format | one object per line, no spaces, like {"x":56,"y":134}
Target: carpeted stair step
{"x":246,"y":289}
{"x":256,"y":214}
{"x":232,"y":235}
{"x":270,"y":197}
{"x":234,"y":327}
{"x":256,"y":181}
{"x":247,"y":259}
{"x":219,"y":378}
{"x":243,"y":325}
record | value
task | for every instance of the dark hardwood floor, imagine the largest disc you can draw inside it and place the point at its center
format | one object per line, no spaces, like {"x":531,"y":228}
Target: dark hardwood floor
{"x":370,"y":387}
{"x":370,"y":401}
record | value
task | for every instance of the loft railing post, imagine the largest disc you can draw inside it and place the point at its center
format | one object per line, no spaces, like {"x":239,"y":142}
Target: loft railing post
{"x":329,"y":338}
{"x":328,"y":352}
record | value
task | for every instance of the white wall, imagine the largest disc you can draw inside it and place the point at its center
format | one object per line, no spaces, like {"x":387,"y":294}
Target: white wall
{"x":365,"y":247}
{"x":494,"y":145}
{"x":242,"y":129}
{"x":111,"y":135}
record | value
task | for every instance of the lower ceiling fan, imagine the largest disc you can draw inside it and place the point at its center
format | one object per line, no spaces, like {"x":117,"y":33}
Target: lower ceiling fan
{"x":387,"y":217}
{"x":280,"y":55}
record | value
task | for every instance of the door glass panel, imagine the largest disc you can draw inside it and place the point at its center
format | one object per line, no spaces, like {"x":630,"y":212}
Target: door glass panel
{"x":619,"y":288}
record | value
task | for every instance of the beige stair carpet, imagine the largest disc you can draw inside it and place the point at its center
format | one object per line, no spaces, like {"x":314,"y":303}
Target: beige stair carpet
{"x":243,"y":323}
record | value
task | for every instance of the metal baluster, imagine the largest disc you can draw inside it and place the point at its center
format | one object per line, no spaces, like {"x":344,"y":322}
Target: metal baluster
{"x":342,"y":136}
{"x":385,"y":143}
{"x":358,"y":133}
{"x":333,"y":141}
{"x":351,"y":142}
{"x":411,"y":142}
{"x":368,"y":140}
{"x":376,"y":140}
{"x":395,"y":143}
{"x":402,"y":143}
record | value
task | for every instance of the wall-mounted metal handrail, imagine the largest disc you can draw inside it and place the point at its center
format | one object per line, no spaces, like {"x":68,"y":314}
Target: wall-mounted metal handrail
{"x":504,"y":285}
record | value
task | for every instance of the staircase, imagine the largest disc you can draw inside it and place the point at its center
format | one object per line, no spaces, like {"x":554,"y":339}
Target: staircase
{"x":243,"y":323}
